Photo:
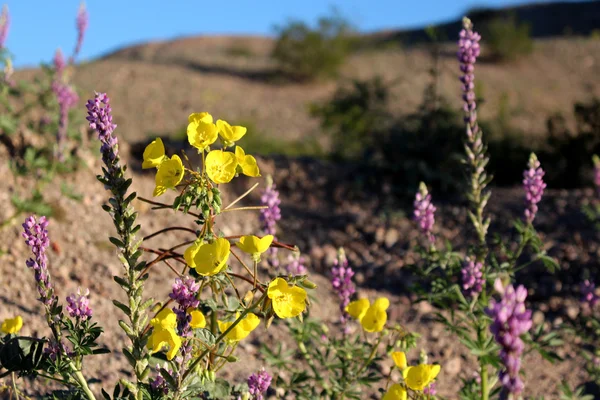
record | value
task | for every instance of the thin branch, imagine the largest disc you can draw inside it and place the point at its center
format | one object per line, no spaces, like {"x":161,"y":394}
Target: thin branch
{"x":173,"y":228}
{"x":242,"y":196}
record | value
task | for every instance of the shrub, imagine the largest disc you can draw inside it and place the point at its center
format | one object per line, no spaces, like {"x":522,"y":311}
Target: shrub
{"x":507,"y":39}
{"x":305,"y":53}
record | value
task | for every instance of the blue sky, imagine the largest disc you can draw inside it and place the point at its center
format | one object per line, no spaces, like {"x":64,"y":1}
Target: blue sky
{"x":38,"y":27}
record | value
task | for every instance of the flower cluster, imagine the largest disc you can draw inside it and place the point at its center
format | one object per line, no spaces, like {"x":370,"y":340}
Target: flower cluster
{"x":295,"y":265}
{"x":100,"y":119}
{"x":533,"y":183}
{"x":424,"y":212}
{"x":468,"y":51}
{"x":341,"y":280}
{"x":472,"y":277}
{"x":511,"y":319}
{"x":67,"y":98}
{"x":36,"y":237}
{"x":12,"y":326}
{"x":372,"y":317}
{"x":81,"y":23}
{"x":184,"y":292}
{"x":78,"y":305}
{"x":419,"y":378}
{"x":588,"y":293}
{"x":258,"y":384}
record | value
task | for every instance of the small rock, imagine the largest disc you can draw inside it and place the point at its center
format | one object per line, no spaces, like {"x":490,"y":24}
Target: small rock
{"x":538,"y":318}
{"x":380,"y":235}
{"x":453,"y":366}
{"x":573,"y":312}
{"x":391,"y":237}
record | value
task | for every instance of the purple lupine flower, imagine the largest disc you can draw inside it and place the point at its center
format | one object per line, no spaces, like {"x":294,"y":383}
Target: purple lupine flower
{"x":295,"y":265}
{"x":54,"y":349}
{"x":510,"y":320}
{"x":430,"y":390}
{"x":67,"y":98}
{"x":468,"y":51}
{"x":341,"y":280}
{"x":258,"y":384}
{"x":472,"y":277}
{"x":159,"y":384}
{"x":185,"y":291}
{"x":596,"y":161}
{"x":533,"y":183}
{"x":81,"y":24}
{"x":36,"y":237}
{"x":269,"y":217}
{"x":100,"y":119}
{"x":424,"y":213}
{"x":59,"y":65}
{"x":4,"y":25}
{"x":588,"y":293}
{"x":78,"y":304}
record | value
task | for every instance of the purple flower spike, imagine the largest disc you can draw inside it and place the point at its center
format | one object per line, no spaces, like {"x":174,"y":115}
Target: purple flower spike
{"x":424,"y":212}
{"x":341,"y":280}
{"x":534,"y":186}
{"x":468,"y":51}
{"x":430,"y":390}
{"x":59,"y":64}
{"x":296,"y":265}
{"x":100,"y":119}
{"x":67,"y":98}
{"x":596,"y":161}
{"x":588,"y":293}
{"x":472,"y":277}
{"x":184,"y":292}
{"x":78,"y":305}
{"x":510,"y":320}
{"x":36,"y":237}
{"x":4,"y":25}
{"x":81,"y":24}
{"x":258,"y":384}
{"x":269,"y":217}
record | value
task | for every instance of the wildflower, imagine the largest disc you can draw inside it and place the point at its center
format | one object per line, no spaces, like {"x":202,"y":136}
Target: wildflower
{"x":59,"y":64}
{"x":288,"y":301}
{"x":198,"y":319}
{"x":295,"y":265}
{"x":588,"y":293}
{"x":341,"y":280}
{"x":164,"y":334}
{"x":67,"y":98}
{"x":372,"y":317}
{"x":510,"y":320}
{"x":395,"y":392}
{"x":430,"y":390}
{"x":419,"y":377}
{"x":165,"y":319}
{"x":12,"y":325}
{"x":230,"y":134}
{"x":159,"y":384}
{"x":472,"y":277}
{"x":4,"y":24}
{"x":184,"y":293}
{"x":78,"y":305}
{"x":81,"y":24}
{"x":424,"y":212}
{"x":201,"y":131}
{"x":54,"y":349}
{"x":269,"y":217}
{"x":100,"y":119}
{"x":596,"y":161}
{"x":399,"y":358}
{"x":534,"y":186}
{"x":242,"y":329}
{"x":255,"y":246}
{"x":468,"y":51}
{"x":36,"y":237}
{"x":246,"y":163}
{"x":169,"y":174}
{"x":259,"y":383}
{"x":221,"y":166}
{"x":211,"y":258}
{"x":154,"y":154}
{"x":190,"y":253}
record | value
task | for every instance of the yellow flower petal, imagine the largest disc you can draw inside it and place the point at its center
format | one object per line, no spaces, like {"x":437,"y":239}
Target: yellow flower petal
{"x":190,"y":253}
{"x":12,"y":325}
{"x":221,"y":166}
{"x":419,"y":377}
{"x":211,"y":258}
{"x":358,"y":308}
{"x":198,"y":319}
{"x":374,"y":319}
{"x":246,"y":163}
{"x":170,"y":173}
{"x":154,"y":154}
{"x":164,"y":337}
{"x":399,"y":358}
{"x":396,"y":392}
{"x":201,"y":131}
{"x":288,"y":301}
{"x":165,"y":319}
{"x":382,"y":303}
{"x":230,"y":134}
{"x":242,"y":329}
{"x":254,"y":245}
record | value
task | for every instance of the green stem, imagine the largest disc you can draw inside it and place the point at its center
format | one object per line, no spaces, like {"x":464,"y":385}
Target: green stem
{"x":82,"y":382}
{"x":14,"y":386}
{"x":371,"y":356}
{"x":485,"y":392}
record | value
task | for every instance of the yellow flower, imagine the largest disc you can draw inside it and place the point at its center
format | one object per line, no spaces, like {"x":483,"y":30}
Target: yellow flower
{"x":164,"y":337}
{"x":242,"y":329}
{"x":288,"y":301}
{"x":166,"y":319}
{"x":154,"y":154}
{"x":399,"y":359}
{"x":211,"y":258}
{"x":169,"y":174}
{"x":419,"y":377}
{"x":12,"y":325}
{"x":190,"y":253}
{"x":396,"y":392}
{"x":372,"y":317}
{"x":246,"y":163}
{"x":230,"y":134}
{"x":255,"y":246}
{"x":201,"y":131}
{"x":198,"y":319}
{"x":221,"y":166}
